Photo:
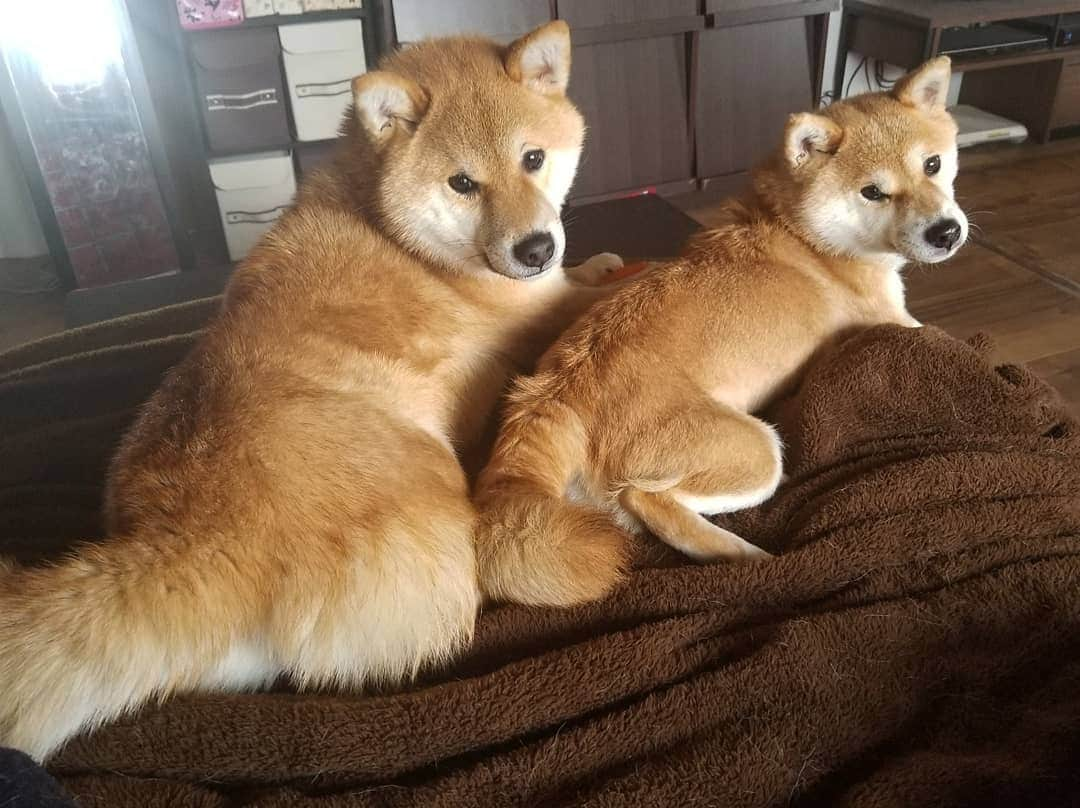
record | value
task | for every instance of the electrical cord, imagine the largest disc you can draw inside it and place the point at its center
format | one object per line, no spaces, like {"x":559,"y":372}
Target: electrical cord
{"x":880,"y":79}
{"x":861,"y":65}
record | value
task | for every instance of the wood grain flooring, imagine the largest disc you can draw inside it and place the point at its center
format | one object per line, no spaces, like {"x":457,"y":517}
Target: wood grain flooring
{"x":1018,"y":278}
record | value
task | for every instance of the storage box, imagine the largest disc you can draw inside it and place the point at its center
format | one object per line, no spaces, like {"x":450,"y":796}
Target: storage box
{"x":252,"y":192}
{"x":258,"y":8}
{"x":196,"y":14}
{"x":321,"y":60}
{"x":288,"y":6}
{"x":241,"y":93}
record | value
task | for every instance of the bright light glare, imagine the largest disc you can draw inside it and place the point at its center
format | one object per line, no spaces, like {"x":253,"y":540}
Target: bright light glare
{"x":72,"y":41}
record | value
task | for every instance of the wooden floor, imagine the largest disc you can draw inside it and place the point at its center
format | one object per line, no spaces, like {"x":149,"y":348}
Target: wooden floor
{"x":1018,"y":277}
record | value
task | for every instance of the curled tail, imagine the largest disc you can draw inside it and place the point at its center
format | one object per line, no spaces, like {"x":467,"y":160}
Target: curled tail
{"x":95,"y":636}
{"x":534,"y":545}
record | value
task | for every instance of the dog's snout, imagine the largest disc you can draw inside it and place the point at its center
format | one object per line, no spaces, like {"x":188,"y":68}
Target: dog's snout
{"x":535,"y":249}
{"x":943,"y":234}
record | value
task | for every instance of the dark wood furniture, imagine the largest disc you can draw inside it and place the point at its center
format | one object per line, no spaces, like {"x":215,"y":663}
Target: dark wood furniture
{"x":639,"y":228}
{"x":758,"y":63}
{"x":676,"y":93}
{"x":1039,"y":87}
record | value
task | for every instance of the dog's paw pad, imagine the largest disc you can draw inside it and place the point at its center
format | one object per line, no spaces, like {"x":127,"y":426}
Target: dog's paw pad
{"x":605,"y":262}
{"x":597,"y":270}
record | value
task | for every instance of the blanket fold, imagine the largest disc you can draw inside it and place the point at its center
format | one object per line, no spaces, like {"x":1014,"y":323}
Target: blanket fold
{"x":916,"y":642}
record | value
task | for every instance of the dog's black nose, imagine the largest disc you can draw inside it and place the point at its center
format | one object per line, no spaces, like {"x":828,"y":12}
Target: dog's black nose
{"x":943,"y":234}
{"x":535,"y":249}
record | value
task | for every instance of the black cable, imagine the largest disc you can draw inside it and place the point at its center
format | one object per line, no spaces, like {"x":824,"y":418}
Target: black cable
{"x":851,"y":81}
{"x":883,"y":83}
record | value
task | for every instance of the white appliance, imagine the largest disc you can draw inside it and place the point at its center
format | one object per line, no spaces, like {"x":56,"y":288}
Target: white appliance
{"x":977,"y":126}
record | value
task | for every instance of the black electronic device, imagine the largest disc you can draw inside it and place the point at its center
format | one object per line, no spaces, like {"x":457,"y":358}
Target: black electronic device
{"x":993,"y":38}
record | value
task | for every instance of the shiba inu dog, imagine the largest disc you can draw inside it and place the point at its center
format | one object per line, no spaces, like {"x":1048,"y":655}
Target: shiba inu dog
{"x":291,"y":500}
{"x":640,"y":416}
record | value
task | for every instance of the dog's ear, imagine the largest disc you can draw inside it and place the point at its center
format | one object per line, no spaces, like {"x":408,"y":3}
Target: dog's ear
{"x":541,"y":59}
{"x":386,"y":103}
{"x":808,"y":134}
{"x":926,"y":87}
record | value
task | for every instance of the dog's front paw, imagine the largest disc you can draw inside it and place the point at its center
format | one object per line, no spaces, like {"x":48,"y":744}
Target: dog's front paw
{"x":597,"y":270}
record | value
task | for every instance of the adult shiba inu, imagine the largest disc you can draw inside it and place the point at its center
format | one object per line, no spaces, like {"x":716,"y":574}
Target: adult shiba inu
{"x":640,"y":416}
{"x":290,"y":501}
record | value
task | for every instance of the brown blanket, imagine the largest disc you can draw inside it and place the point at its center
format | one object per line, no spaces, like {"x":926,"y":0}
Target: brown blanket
{"x":916,"y":643}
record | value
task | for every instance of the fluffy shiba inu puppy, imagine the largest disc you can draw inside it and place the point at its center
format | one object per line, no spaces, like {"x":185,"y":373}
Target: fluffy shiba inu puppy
{"x":291,"y":501}
{"x":640,"y":415}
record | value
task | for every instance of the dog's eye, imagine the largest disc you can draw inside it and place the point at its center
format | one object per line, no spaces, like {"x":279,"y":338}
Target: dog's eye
{"x":873,"y":193}
{"x":932,"y":165}
{"x":463,"y":183}
{"x":533,"y":160}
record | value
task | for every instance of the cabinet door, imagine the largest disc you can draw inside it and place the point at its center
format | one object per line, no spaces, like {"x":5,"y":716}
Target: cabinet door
{"x":503,"y":20}
{"x":750,"y":78}
{"x":633,"y":92}
{"x":592,"y":13}
{"x":1067,"y":105}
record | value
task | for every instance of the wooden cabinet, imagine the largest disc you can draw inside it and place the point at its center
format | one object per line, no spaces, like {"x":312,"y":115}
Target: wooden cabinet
{"x":499,"y":19}
{"x":631,"y":81}
{"x":1037,"y":86}
{"x":1067,"y":104}
{"x":751,"y":77}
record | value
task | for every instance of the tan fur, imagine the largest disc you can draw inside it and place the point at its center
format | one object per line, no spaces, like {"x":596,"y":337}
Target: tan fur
{"x":639,"y":416}
{"x":291,"y":501}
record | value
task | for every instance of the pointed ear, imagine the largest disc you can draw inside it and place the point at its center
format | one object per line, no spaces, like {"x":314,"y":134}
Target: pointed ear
{"x":541,"y":59}
{"x":926,"y":87}
{"x":386,"y":103}
{"x":808,"y":134}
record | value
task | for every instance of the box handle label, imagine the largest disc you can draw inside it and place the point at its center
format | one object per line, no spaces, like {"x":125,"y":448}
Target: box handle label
{"x":219,"y":101}
{"x":254,"y":216}
{"x":324,"y":89}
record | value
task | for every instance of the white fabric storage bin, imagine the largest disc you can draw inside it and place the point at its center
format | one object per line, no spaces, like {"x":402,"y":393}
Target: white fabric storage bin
{"x":258,"y":8}
{"x":321,"y":60}
{"x":252,"y":192}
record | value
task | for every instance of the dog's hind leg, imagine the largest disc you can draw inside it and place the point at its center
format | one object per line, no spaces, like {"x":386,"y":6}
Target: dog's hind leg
{"x":400,"y":595}
{"x":703,"y":459}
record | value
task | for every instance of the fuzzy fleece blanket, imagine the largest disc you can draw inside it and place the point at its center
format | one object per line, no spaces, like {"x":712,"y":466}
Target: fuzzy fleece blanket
{"x":916,"y":643}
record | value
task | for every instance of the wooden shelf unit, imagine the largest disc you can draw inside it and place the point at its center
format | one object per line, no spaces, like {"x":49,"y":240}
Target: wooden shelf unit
{"x":198,"y":154}
{"x":1038,"y":87}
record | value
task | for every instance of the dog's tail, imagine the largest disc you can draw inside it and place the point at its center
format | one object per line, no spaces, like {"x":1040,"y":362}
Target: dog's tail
{"x":99,"y":634}
{"x":534,"y":545}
